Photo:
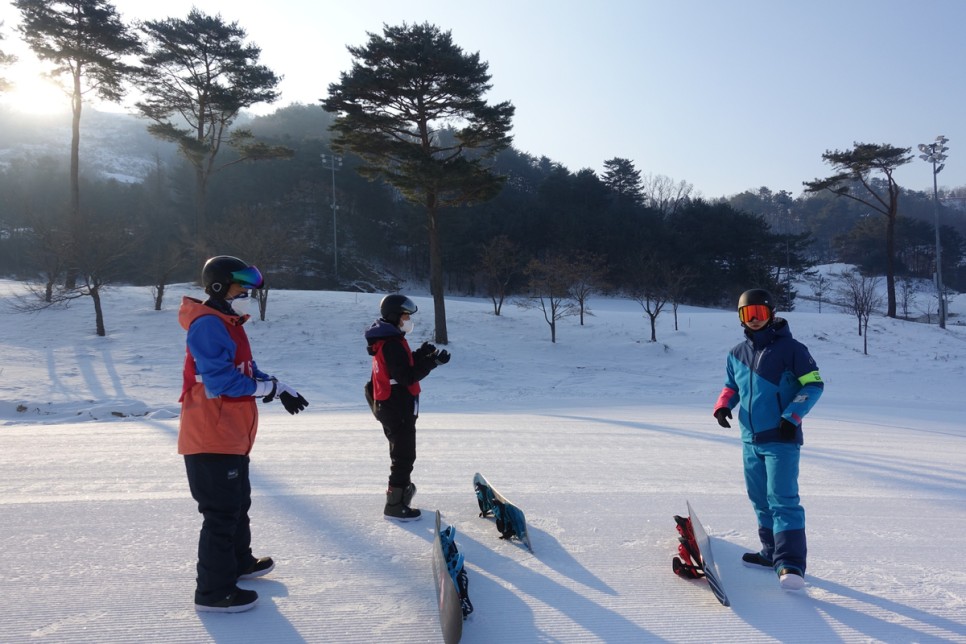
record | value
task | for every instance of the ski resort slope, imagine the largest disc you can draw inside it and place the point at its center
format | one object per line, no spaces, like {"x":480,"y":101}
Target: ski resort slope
{"x":600,"y":438}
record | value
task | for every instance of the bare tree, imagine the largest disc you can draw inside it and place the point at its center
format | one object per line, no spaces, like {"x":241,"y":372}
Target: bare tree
{"x":664,"y":194}
{"x":679,"y":280}
{"x":649,"y":279}
{"x":548,"y":290}
{"x":48,"y":249}
{"x":587,"y":277}
{"x":906,"y":293}
{"x":860,"y":297}
{"x":99,"y":250}
{"x":500,"y":264}
{"x":261,"y":245}
{"x":821,"y":285}
{"x":165,"y":260}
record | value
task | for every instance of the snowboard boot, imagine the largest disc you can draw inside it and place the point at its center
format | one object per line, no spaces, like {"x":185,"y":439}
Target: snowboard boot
{"x":259,"y":567}
{"x":237,"y":601}
{"x":409,"y":493}
{"x":756,"y":560}
{"x":396,"y":509}
{"x":791,"y":578}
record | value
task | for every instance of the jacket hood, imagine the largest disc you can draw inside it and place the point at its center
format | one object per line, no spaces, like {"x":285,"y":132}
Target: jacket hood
{"x":191,"y":309}
{"x":380,"y":330}
{"x":763,"y":337}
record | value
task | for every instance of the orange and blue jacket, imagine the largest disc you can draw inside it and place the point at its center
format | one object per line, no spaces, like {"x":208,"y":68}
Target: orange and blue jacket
{"x":219,"y":414}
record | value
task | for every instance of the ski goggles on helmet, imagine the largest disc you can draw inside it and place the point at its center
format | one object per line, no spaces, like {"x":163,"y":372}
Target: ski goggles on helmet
{"x":248,"y":277}
{"x":754,"y":312}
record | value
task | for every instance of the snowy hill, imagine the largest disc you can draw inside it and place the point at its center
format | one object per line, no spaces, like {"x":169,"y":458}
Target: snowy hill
{"x":113,"y":145}
{"x":601,"y":438}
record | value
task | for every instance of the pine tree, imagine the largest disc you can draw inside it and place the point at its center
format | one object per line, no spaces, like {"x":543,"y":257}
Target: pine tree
{"x":199,"y":71}
{"x":395,"y":109}
{"x":854,"y":168}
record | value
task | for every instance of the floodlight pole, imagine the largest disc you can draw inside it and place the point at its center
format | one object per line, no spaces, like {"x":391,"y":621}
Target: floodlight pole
{"x":935,"y":153}
{"x":334,"y":163}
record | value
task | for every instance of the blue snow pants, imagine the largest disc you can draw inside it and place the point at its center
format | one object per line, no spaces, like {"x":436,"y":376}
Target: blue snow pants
{"x":771,"y":479}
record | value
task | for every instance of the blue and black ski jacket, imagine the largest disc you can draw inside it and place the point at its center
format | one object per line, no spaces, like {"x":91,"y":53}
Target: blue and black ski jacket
{"x":770,"y":376}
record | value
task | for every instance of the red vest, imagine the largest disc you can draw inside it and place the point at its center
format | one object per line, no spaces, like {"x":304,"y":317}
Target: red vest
{"x":242,"y":359}
{"x":381,"y":386}
{"x":224,"y":424}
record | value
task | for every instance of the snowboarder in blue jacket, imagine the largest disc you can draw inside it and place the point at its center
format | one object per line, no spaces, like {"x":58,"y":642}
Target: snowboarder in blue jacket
{"x":774,"y":382}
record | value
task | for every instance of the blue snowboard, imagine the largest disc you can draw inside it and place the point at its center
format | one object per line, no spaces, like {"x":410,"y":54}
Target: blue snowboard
{"x":451,"y":584}
{"x":510,"y":520}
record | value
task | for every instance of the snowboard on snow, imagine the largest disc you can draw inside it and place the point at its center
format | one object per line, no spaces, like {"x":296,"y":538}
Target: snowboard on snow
{"x":451,"y":583}
{"x":510,"y":520}
{"x":695,"y":559}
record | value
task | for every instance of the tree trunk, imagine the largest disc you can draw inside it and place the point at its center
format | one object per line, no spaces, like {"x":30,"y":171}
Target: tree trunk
{"x":436,"y":271}
{"x":158,"y":296}
{"x":890,"y":262}
{"x":201,"y":215}
{"x":74,"y":224}
{"x":98,"y":311}
{"x":865,"y":339}
{"x":75,"y":155}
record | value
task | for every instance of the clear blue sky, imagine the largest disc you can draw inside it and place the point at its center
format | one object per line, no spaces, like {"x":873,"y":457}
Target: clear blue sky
{"x":728,"y":95}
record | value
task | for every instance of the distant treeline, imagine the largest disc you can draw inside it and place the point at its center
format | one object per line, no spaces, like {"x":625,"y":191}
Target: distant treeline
{"x":280,"y":215}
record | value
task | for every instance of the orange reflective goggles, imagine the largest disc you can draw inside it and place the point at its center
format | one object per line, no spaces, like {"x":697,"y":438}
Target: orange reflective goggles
{"x":754,"y":312}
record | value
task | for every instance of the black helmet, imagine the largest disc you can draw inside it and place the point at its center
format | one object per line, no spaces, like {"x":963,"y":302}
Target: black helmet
{"x":221,"y":271}
{"x":757,"y":296}
{"x":392,"y":307}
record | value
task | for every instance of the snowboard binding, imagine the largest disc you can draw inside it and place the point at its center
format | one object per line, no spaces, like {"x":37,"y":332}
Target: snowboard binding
{"x":688,"y":563}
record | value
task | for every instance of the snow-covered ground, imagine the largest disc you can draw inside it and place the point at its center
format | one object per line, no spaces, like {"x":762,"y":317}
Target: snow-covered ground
{"x":601,"y":438}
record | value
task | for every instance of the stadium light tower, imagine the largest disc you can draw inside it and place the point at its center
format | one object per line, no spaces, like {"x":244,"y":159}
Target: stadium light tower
{"x":335,"y":163}
{"x":935,"y":153}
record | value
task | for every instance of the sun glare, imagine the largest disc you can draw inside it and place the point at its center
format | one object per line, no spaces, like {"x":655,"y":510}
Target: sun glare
{"x":31,"y":93}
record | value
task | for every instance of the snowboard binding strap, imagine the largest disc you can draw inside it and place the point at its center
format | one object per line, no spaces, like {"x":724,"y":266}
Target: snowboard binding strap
{"x":688,"y":565}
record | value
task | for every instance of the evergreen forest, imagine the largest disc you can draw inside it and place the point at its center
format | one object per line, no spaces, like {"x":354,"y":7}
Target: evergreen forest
{"x":630,"y":228}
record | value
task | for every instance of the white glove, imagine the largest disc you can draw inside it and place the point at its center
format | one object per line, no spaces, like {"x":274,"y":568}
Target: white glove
{"x":265,"y":388}
{"x":282,"y":388}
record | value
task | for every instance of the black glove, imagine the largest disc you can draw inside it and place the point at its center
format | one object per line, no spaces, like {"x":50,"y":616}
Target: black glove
{"x":426,"y":350}
{"x":787,"y":430}
{"x":442,"y":357}
{"x":721,"y":413}
{"x":293,"y":404}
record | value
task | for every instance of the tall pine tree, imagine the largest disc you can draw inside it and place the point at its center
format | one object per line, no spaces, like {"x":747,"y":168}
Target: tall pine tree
{"x":86,"y":42}
{"x":396,"y":109}
{"x":853,"y":168}
{"x":199,"y":71}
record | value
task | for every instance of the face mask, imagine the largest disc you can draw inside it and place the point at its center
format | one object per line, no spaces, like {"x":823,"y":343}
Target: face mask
{"x":240,"y":305}
{"x":406,"y":326}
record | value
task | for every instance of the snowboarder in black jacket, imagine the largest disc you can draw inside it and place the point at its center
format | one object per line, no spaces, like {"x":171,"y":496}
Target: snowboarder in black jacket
{"x":396,"y":372}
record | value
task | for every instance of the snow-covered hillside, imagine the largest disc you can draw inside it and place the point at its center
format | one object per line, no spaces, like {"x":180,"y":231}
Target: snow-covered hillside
{"x":601,"y":438}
